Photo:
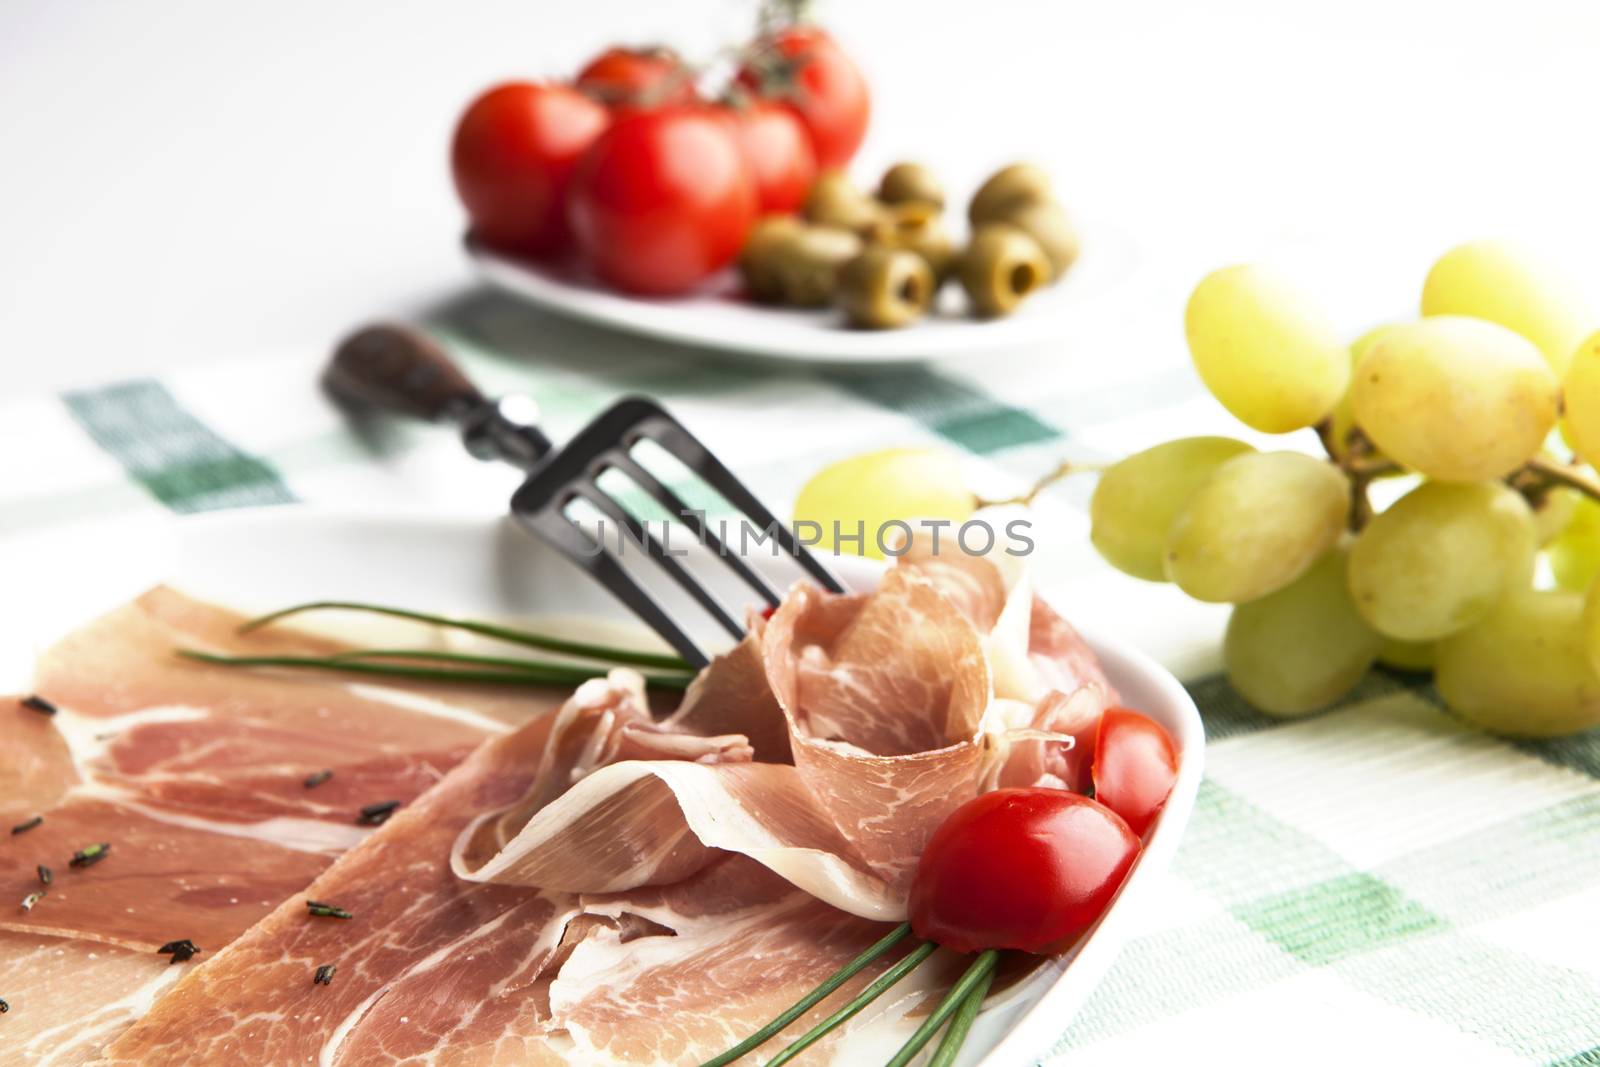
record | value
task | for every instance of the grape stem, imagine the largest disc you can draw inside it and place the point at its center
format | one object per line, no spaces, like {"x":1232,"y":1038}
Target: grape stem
{"x":1063,"y":469}
{"x":1548,"y":473}
{"x":1361,"y":463}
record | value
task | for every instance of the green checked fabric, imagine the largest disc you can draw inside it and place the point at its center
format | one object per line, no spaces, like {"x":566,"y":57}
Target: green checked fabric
{"x":1378,"y":883}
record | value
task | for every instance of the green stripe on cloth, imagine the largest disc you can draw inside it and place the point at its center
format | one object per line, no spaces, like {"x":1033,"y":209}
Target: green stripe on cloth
{"x":180,"y":460}
{"x":954,"y":410}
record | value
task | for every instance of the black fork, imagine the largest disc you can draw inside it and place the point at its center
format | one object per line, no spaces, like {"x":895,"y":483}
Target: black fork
{"x":402,"y":371}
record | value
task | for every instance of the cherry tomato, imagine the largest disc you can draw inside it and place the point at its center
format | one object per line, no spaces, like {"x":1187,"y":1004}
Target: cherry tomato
{"x":663,"y":199}
{"x":778,"y":150}
{"x":807,"y":69}
{"x":1135,"y":764}
{"x":1020,"y":868}
{"x":513,"y":156}
{"x":622,"y":76}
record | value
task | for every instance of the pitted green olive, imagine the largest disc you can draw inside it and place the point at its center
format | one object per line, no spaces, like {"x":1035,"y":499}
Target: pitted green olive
{"x":762,"y":254}
{"x":808,"y":265}
{"x":1006,"y":189}
{"x":910,"y":181}
{"x":1047,"y":222}
{"x":835,"y":201}
{"x":1000,"y":268}
{"x":885,"y":288}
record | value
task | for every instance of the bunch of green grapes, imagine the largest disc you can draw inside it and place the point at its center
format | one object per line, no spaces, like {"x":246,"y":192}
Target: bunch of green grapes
{"x":1482,"y":568}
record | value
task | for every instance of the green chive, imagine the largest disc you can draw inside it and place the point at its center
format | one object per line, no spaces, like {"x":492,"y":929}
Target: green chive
{"x":46,"y":875}
{"x":39,"y":704}
{"x":950,"y":1045}
{"x":483,"y":629}
{"x":89,"y":855}
{"x":807,"y":1002}
{"x":532,"y":674}
{"x":4,"y":1007}
{"x":316,"y":778}
{"x":329,"y":911}
{"x":981,"y":971}
{"x":377,"y":814}
{"x":324,"y":975}
{"x":29,"y":824}
{"x":31,"y":899}
{"x":906,"y":965}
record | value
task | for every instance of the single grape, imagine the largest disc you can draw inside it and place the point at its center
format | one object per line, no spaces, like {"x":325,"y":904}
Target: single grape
{"x":1302,"y":647}
{"x":1264,"y":349}
{"x":1136,"y":500}
{"x":862,"y":493}
{"x":1440,"y":557}
{"x":1255,"y":525}
{"x":1343,"y":417}
{"x":1500,"y":282}
{"x":1459,"y":399}
{"x":1407,"y":655}
{"x":1574,"y":553}
{"x":1525,"y":669}
{"x":1581,"y":399}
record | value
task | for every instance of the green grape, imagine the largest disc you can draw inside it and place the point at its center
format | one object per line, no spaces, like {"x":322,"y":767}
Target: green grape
{"x":1581,"y":400}
{"x":1525,"y":669}
{"x":1302,"y":647}
{"x":864,"y":492}
{"x":1502,"y":283}
{"x":1343,"y":417}
{"x":1137,"y":499}
{"x":1255,"y":525}
{"x":1574,"y":553}
{"x":1440,"y":557}
{"x":1407,"y":655}
{"x":1459,"y":399}
{"x":1264,"y":349}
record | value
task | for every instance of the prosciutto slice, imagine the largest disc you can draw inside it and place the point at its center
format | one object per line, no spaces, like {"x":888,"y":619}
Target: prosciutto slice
{"x":194,"y":774}
{"x":453,"y":972}
{"x":889,"y":721}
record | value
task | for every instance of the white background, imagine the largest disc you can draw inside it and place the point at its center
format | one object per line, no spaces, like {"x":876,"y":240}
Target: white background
{"x":184,"y":181}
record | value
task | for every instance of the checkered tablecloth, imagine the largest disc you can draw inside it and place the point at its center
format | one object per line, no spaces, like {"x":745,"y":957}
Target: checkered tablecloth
{"x":1378,"y":883}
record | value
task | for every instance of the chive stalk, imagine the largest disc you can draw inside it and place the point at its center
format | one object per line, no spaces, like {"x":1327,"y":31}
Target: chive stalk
{"x":531,"y":672}
{"x":811,"y":999}
{"x":907,"y":964}
{"x":981,"y":972}
{"x":508,"y":634}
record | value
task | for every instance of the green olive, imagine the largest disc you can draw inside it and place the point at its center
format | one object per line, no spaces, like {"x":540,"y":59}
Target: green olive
{"x":885,"y":288}
{"x":910,"y":181}
{"x":1006,"y":189}
{"x":1047,"y":223}
{"x":835,"y":201}
{"x":808,"y":265}
{"x":1000,"y":268}
{"x":762,"y":254}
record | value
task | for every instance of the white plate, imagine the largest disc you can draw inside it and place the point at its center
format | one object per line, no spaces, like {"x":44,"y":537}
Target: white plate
{"x":267,"y":558}
{"x":717,"y":318}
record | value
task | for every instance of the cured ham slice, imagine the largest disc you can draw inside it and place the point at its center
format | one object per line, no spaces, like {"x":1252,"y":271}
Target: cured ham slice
{"x":887,"y":705}
{"x":69,"y":998}
{"x":454,"y":972}
{"x":194,"y":774}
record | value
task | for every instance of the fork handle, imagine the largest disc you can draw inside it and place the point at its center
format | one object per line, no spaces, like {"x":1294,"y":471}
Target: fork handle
{"x":403,"y":371}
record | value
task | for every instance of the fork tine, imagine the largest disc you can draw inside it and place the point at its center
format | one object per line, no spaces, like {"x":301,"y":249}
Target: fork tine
{"x":669,"y":434}
{"x":557,"y":530}
{"x":658,"y":552}
{"x":691,"y":518}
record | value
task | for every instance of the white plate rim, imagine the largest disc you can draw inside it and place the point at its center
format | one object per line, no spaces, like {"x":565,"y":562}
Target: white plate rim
{"x":813,"y":337}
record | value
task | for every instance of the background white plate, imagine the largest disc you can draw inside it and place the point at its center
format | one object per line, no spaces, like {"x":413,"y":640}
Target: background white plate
{"x":271,"y":557}
{"x":718,"y":318}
